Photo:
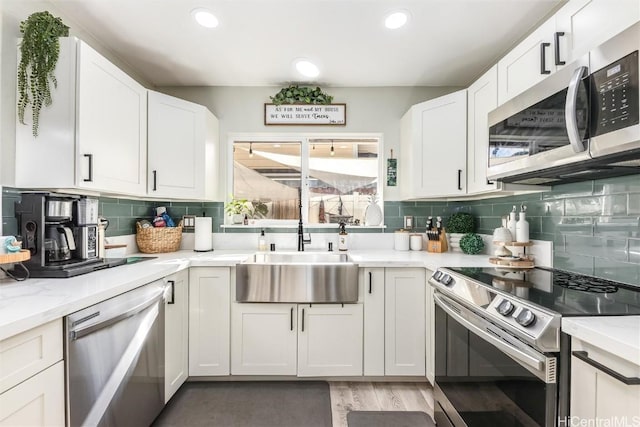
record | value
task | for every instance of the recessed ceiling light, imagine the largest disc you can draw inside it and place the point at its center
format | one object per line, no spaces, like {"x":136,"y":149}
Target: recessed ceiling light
{"x":396,"y":20}
{"x":307,"y":68}
{"x":204,"y":17}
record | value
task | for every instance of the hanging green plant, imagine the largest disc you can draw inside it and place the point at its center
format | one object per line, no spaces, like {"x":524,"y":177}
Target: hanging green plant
{"x":295,"y":94}
{"x":39,"y":52}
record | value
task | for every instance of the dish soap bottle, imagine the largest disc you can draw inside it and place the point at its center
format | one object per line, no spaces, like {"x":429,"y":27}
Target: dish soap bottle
{"x":511,"y":224}
{"x":262,"y":242}
{"x":522,"y":226}
{"x":342,"y":238}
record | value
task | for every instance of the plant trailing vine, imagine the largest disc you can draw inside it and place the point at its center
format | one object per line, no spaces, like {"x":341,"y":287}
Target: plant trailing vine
{"x":40,"y":49}
{"x":295,"y":94}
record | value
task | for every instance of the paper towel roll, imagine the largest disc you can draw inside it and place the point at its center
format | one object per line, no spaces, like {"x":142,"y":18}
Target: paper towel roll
{"x":203,"y":238}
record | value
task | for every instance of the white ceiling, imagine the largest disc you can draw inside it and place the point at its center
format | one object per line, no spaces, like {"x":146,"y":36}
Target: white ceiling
{"x":445,"y":43}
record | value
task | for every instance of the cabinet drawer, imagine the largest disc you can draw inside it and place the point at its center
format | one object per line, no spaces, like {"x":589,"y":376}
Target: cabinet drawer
{"x":39,"y":401}
{"x":30,"y":352}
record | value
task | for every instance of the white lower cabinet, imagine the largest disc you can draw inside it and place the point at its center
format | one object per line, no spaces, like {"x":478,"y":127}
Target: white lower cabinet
{"x":404,"y":329}
{"x":263,"y":339}
{"x":38,"y":401}
{"x":372,"y":280}
{"x":291,"y":339}
{"x":209,"y":320}
{"x":599,"y":397}
{"x":430,"y":336}
{"x":330,"y":340}
{"x":176,"y":333}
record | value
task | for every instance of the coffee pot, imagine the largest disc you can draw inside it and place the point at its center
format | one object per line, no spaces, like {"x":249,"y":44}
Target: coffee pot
{"x":59,"y":243}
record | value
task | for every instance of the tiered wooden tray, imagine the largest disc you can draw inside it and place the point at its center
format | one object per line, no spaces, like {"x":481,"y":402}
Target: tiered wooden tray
{"x":522,"y":262}
{"x":23,"y":255}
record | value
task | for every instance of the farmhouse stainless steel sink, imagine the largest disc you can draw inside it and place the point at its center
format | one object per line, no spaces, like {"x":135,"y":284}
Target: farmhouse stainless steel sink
{"x":297,"y":277}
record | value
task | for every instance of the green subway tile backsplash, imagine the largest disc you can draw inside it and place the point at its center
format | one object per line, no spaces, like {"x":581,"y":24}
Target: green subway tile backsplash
{"x":594,"y":225}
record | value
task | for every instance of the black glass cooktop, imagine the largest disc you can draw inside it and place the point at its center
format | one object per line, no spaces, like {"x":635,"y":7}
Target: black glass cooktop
{"x":566,"y":293}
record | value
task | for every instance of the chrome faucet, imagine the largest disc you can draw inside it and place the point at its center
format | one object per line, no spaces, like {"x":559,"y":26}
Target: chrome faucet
{"x":301,"y":239}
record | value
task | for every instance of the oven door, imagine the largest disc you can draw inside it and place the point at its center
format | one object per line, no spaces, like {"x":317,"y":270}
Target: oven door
{"x":486,"y":377}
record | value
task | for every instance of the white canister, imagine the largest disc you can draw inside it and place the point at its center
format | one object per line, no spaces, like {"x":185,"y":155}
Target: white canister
{"x":401,"y":240}
{"x":416,"y":242}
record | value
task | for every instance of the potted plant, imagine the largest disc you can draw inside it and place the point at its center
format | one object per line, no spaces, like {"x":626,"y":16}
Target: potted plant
{"x":39,"y":52}
{"x":237,"y":209}
{"x":471,"y":243}
{"x":294,"y":94}
{"x":459,"y":224}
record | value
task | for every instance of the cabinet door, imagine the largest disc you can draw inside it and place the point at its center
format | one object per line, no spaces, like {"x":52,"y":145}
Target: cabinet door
{"x":330,"y":340}
{"x":263,"y":339}
{"x":404,"y":321}
{"x":588,"y":23}
{"x":38,"y":401}
{"x":373,"y":289}
{"x":111,"y":127}
{"x":209,"y":320}
{"x":522,"y":67}
{"x":482,"y":97}
{"x":440,"y":151}
{"x":176,"y":333}
{"x":583,"y":390}
{"x":176,"y":147}
{"x":430,"y":328}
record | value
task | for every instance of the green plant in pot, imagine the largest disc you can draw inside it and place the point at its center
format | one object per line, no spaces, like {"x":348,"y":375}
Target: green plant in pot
{"x":39,"y":52}
{"x":457,"y":225}
{"x":237,"y":209}
{"x":471,"y":243}
{"x":294,"y":94}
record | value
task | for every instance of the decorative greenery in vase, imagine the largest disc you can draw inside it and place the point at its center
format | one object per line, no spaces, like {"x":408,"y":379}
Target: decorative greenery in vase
{"x":39,"y":50}
{"x":295,"y":94}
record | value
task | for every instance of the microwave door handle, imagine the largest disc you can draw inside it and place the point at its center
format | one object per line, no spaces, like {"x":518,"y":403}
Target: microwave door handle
{"x":571,"y":111}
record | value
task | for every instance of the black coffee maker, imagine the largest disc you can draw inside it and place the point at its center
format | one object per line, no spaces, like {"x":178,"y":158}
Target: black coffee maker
{"x":57,"y":230}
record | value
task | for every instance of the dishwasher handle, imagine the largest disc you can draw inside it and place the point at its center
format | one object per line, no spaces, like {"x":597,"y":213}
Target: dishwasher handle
{"x":82,"y":332}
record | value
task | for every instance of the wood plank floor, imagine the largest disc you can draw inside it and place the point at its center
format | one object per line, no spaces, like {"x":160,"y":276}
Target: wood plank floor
{"x":379,"y":396}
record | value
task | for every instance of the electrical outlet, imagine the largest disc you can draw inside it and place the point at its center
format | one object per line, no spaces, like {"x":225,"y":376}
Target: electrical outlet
{"x":188,"y":222}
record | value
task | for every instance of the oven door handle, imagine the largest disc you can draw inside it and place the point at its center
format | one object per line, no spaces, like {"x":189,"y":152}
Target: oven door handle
{"x":571,"y":110}
{"x":538,"y":365}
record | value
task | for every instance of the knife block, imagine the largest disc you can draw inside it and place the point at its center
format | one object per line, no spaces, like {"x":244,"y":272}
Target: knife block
{"x":440,"y":245}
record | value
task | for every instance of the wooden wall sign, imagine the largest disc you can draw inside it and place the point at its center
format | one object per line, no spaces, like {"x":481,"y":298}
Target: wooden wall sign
{"x":305,"y":114}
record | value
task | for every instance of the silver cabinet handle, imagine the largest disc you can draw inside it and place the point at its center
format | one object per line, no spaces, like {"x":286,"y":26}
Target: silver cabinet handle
{"x":584,"y":356}
{"x":571,"y":112}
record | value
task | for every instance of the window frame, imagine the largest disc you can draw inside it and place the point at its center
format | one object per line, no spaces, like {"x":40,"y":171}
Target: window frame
{"x":303,"y":138}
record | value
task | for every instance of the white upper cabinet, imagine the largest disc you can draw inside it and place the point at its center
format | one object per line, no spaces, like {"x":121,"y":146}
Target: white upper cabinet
{"x":94,"y":134}
{"x":584,"y":24}
{"x":482,"y":97}
{"x":433,"y":148}
{"x":528,"y":63}
{"x":111,"y":132}
{"x":576,"y":28}
{"x":182,"y":147}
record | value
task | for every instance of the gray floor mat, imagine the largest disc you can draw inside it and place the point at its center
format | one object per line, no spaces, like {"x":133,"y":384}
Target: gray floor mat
{"x":249,"y":404}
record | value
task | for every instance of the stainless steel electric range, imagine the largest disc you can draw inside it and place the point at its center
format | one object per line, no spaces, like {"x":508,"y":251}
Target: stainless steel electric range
{"x":500,"y":356}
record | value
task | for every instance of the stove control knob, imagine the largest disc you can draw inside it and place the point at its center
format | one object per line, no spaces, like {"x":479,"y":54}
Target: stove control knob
{"x":526,"y":317}
{"x":437,"y":276}
{"x":505,"y":307}
{"x":447,"y":280}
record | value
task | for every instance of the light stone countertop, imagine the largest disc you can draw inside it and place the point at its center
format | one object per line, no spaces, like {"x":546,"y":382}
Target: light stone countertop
{"x":619,"y":335}
{"x":25,"y":305}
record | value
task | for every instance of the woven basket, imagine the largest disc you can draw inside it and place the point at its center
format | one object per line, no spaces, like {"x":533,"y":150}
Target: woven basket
{"x":153,"y":240}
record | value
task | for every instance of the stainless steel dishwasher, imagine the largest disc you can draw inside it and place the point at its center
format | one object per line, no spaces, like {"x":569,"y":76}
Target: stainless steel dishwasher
{"x":114,"y":358}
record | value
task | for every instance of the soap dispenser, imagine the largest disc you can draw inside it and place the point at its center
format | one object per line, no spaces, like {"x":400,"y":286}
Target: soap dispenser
{"x":262,"y":242}
{"x":522,"y":226}
{"x":342,"y":237}
{"x":511,"y":224}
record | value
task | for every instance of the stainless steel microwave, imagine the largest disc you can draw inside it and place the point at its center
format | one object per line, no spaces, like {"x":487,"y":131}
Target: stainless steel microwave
{"x":580,"y":123}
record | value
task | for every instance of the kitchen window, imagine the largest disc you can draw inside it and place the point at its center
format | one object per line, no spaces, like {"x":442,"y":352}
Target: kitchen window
{"x":338,"y":177}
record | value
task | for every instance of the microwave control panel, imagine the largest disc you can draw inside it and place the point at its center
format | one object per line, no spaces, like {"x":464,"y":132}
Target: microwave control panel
{"x":614,"y":96}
